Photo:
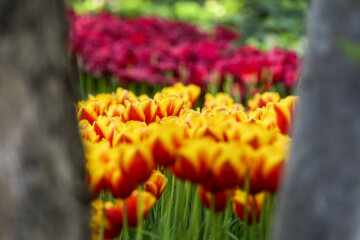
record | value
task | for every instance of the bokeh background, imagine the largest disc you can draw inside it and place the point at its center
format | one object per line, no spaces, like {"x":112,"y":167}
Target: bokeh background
{"x":263,"y":23}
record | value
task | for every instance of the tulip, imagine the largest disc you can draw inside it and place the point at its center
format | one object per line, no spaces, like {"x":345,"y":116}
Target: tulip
{"x":118,"y":184}
{"x":189,"y":93}
{"x":253,"y":203}
{"x":130,"y":132}
{"x":113,"y":219}
{"x":101,"y":127}
{"x":220,"y":100}
{"x":156,"y":184}
{"x":133,"y":204}
{"x":272,"y":168}
{"x":216,"y":201}
{"x":163,"y":150}
{"x":213,"y":124}
{"x":114,"y":213}
{"x":90,"y":110}
{"x":137,"y":162}
{"x":123,"y":95}
{"x":133,"y":112}
{"x":265,"y":167}
{"x":284,"y":111}
{"x":217,"y":147}
{"x":256,"y":135}
{"x":282,"y":118}
{"x":87,"y":114}
{"x":112,"y":168}
{"x":195,"y":159}
{"x":250,"y":132}
{"x":122,"y":137}
{"x":144,"y":97}
{"x":211,"y":132}
{"x":149,"y":108}
{"x":261,"y":100}
{"x":240,"y":116}
{"x":168,"y":105}
{"x":164,"y":139}
{"x":229,"y":168}
{"x":194,"y":92}
{"x":115,"y":110}
{"x":106,"y":99}
{"x":98,"y":157}
{"x":87,"y":131}
{"x":126,"y":48}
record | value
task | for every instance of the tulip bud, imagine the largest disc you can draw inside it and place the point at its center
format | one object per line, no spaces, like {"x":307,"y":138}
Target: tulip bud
{"x":156,"y":184}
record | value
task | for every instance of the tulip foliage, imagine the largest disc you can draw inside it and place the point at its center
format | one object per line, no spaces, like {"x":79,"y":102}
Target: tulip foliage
{"x":160,"y":157}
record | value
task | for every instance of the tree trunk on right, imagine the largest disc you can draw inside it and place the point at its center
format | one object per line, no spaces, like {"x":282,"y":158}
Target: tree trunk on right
{"x":321,"y":194}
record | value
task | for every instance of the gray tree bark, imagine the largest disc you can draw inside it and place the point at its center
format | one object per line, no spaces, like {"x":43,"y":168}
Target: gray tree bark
{"x":321,"y":194}
{"x":42,"y":188}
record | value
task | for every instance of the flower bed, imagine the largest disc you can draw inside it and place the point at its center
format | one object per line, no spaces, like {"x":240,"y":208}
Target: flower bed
{"x":159,"y":51}
{"x":149,"y":156}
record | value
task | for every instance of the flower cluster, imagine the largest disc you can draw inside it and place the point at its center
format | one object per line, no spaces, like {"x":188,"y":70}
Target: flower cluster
{"x":220,"y":147}
{"x":251,"y":66}
{"x":145,"y":49}
{"x":137,"y":205}
{"x":161,"y":51}
{"x":116,"y":129}
{"x":114,"y":213}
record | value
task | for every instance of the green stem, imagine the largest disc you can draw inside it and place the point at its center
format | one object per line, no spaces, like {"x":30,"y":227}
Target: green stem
{"x":185,"y":217}
{"x":207,"y":225}
{"x":89,"y":84}
{"x":210,"y":219}
{"x":167,"y":193}
{"x":227,"y":219}
{"x":246,"y":210}
{"x":179,"y":204}
{"x":133,"y":88}
{"x":195,"y":220}
{"x":214,"y":219}
{"x":102,"y":85}
{"x":125,"y":230}
{"x":269,"y":215}
{"x":228,"y":83}
{"x":82,"y":89}
{"x":146,"y":233}
{"x":139,"y":217}
{"x":254,"y":220}
{"x":102,"y":225}
{"x":144,"y":88}
{"x":167,"y":224}
{"x":263,"y":217}
{"x":114,"y":84}
{"x":213,"y":88}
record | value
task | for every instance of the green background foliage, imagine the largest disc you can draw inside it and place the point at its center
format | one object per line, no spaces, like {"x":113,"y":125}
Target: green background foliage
{"x":263,"y":23}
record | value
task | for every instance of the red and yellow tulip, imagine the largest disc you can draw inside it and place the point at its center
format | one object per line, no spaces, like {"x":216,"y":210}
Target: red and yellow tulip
{"x":156,"y":184}
{"x":214,"y":201}
{"x":248,"y":204}
{"x":218,"y":147}
{"x":114,"y":213}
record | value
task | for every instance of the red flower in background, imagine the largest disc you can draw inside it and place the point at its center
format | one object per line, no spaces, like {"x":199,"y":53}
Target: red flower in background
{"x":159,"y":51}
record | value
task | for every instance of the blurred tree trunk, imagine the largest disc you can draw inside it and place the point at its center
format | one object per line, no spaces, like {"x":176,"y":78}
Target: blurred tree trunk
{"x":321,"y":196}
{"x":42,"y":186}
